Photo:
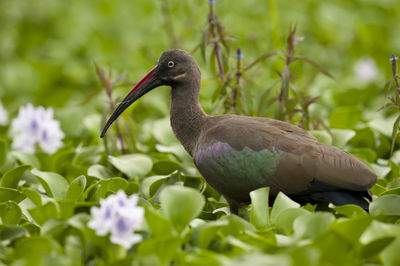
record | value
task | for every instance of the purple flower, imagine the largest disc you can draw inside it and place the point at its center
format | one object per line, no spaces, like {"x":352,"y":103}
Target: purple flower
{"x":239,"y":53}
{"x":211,"y":2}
{"x":36,"y":126}
{"x":3,"y":115}
{"x":118,"y":215}
{"x":393,"y":58}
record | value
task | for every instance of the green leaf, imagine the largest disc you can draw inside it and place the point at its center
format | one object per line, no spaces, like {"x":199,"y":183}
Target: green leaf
{"x":3,"y":152}
{"x":284,"y":220}
{"x":151,"y":184}
{"x":44,"y":212}
{"x":26,"y":158}
{"x":181,"y":205}
{"x":322,"y":136}
{"x":11,"y":232}
{"x":76,"y":188}
{"x":281,"y":203}
{"x":205,"y":233}
{"x":314,"y":64}
{"x":259,"y":215}
{"x":132,"y":165}
{"x":395,"y":133}
{"x":350,"y":210}
{"x":164,"y":247}
{"x":10,"y":194}
{"x":11,"y":177}
{"x":34,"y":248}
{"x":165,"y":167}
{"x":261,"y":58}
{"x":33,"y":195}
{"x":158,"y":224}
{"x":108,"y":186}
{"x":341,"y":137}
{"x":374,"y":248}
{"x":55,"y":185}
{"x":99,"y":171}
{"x":345,"y":117}
{"x":312,"y":224}
{"x":385,"y":205}
{"x":10,"y":213}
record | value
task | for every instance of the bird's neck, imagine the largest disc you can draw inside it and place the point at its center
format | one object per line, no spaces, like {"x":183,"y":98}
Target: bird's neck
{"x":187,"y":116}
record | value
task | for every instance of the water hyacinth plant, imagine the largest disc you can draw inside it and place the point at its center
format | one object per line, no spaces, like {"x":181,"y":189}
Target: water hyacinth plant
{"x":3,"y":115}
{"x":36,"y":126}
{"x":118,"y":215}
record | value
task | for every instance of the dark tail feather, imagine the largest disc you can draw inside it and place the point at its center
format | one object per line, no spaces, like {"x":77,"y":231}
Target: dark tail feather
{"x":338,"y":198}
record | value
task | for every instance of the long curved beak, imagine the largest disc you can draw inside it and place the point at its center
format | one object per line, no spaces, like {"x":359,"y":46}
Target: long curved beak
{"x":145,"y":85}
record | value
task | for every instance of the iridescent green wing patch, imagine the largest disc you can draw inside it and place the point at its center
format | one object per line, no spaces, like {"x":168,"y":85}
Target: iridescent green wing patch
{"x":222,"y":160}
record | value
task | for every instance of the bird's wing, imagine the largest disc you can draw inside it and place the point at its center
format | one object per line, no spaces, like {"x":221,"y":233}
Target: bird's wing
{"x":303,"y":161}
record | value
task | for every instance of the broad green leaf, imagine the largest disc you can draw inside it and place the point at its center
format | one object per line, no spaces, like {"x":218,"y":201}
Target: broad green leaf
{"x":322,"y":136}
{"x":352,"y":229}
{"x":34,"y":248}
{"x":44,"y":212}
{"x":284,"y":220}
{"x":341,"y":137}
{"x":10,"y":194}
{"x":33,"y":195}
{"x":377,"y":189}
{"x":110,"y":186}
{"x":10,"y":213}
{"x":350,"y":210}
{"x":53,"y":228}
{"x":76,"y":188}
{"x":259,"y":215}
{"x":151,"y":184}
{"x":345,"y":117}
{"x":164,"y":247}
{"x":312,"y":224}
{"x":99,"y":171}
{"x":55,"y":185}
{"x":162,"y":132}
{"x":26,"y":158}
{"x":133,"y":164}
{"x":3,"y":152}
{"x":378,"y":230}
{"x":11,"y":177}
{"x":385,"y":205}
{"x":181,"y":205}
{"x":158,"y":224}
{"x":374,"y":248}
{"x":205,"y":233}
{"x":74,"y":250}
{"x":11,"y":232}
{"x":165,"y":167}
{"x":281,"y":203}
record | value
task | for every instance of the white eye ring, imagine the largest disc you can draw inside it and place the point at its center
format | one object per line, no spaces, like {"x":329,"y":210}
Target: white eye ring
{"x":171,"y":64}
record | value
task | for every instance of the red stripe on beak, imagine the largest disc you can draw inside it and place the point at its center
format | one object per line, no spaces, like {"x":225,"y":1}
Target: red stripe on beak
{"x":140,"y":83}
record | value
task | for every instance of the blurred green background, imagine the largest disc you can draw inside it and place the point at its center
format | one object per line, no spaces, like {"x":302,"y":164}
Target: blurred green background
{"x":47,"y":48}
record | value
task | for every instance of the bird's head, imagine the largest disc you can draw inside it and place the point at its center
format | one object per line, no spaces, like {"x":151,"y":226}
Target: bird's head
{"x":174,"y":67}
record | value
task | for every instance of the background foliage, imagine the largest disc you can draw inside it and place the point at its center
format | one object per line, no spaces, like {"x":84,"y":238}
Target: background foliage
{"x":47,"y":52}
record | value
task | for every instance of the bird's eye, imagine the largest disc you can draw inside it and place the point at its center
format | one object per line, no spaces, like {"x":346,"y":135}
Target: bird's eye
{"x":171,"y":64}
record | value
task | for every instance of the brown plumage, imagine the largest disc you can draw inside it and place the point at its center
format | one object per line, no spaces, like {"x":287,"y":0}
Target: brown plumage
{"x":237,"y":154}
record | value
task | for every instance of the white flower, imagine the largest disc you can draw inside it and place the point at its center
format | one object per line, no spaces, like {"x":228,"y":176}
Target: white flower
{"x":3,"y":115}
{"x":366,"y":70}
{"x":36,"y":126}
{"x":120,"y":216}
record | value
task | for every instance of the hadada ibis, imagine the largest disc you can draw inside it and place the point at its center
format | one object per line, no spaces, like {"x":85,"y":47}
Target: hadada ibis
{"x":237,"y":154}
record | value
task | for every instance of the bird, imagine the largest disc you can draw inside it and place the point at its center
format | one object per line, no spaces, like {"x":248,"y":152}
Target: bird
{"x":237,"y":154}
